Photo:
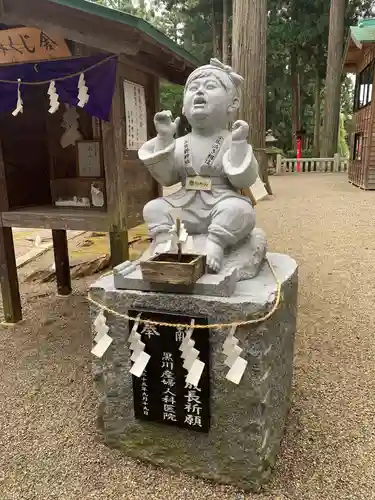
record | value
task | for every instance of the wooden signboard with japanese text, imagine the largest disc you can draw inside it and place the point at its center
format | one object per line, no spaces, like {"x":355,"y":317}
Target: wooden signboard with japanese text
{"x":161,"y":393}
{"x":136,"y":115}
{"x":89,"y":158}
{"x":30,"y":44}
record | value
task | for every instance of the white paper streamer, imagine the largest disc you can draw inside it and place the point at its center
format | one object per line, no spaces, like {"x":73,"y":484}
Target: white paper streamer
{"x":134,"y":333}
{"x":183,"y":238}
{"x":102,"y":346}
{"x":233,"y":360}
{"x":103,"y":340}
{"x":101,"y":331}
{"x":140,"y":364}
{"x":53,"y":98}
{"x":139,"y":357}
{"x":137,"y":345}
{"x":233,"y":355}
{"x":195,"y":373}
{"x":188,"y":335}
{"x":19,"y":107}
{"x":190,"y":358}
{"x":237,"y":370}
{"x":83,"y":94}
{"x":187,"y":348}
{"x":100,"y":320}
{"x":97,"y":197}
{"x":100,"y":326}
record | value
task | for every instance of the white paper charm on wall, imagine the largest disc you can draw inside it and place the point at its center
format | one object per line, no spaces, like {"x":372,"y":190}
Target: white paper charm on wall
{"x":70,"y":124}
{"x":83,"y":91}
{"x":97,"y":197}
{"x":53,"y":98}
{"x":19,"y":106}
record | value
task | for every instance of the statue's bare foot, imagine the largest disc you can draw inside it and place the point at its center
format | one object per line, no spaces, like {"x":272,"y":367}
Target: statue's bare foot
{"x":215,"y":255}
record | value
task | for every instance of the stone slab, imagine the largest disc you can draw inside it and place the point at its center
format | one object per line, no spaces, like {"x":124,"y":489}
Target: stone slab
{"x":247,"y":420}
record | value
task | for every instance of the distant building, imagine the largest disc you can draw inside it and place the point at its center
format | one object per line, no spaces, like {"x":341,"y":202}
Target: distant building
{"x":359,"y":58}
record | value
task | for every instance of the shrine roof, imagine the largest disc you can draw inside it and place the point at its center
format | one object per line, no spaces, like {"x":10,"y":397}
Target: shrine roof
{"x":129,"y":20}
{"x":359,"y":37}
{"x":106,"y":29}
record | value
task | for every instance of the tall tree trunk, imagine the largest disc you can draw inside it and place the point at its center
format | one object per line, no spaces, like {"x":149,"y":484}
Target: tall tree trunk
{"x":249,"y":54}
{"x":216,"y":31}
{"x":317,"y":115}
{"x":296,"y":111}
{"x":225,"y":33}
{"x":331,"y":116}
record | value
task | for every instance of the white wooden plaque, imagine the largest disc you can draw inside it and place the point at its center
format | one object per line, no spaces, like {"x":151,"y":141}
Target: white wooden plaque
{"x":88,"y":158}
{"x":135,"y":115}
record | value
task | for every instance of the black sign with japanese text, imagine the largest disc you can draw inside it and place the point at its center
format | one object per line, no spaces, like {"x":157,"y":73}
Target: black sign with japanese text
{"x":161,"y":394}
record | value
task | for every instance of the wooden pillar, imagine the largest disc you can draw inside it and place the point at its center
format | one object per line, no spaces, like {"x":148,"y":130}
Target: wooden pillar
{"x":60,"y":250}
{"x":8,"y":277}
{"x":113,"y":135}
{"x":153,"y":106}
{"x":8,"y":267}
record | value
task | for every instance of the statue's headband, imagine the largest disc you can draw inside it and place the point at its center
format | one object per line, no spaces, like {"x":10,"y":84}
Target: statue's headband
{"x":216,"y":65}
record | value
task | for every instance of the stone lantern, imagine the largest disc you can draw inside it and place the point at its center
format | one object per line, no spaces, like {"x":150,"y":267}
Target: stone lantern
{"x":272,"y":151}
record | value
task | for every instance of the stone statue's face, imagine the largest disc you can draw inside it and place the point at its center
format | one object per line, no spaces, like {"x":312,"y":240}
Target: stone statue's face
{"x":207,"y":100}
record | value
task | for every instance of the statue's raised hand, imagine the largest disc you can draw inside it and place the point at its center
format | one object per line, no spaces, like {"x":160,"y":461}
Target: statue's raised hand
{"x":165,"y":126}
{"x":240,"y":131}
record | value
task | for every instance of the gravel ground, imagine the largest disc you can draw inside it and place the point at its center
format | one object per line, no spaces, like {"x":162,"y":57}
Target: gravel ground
{"x":49,"y":448}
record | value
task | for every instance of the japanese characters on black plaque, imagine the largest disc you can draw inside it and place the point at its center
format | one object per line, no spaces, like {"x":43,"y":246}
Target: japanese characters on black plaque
{"x":136,"y":116}
{"x":161,"y":394}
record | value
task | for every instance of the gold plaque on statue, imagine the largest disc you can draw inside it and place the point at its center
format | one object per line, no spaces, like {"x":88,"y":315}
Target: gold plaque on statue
{"x":199,"y":183}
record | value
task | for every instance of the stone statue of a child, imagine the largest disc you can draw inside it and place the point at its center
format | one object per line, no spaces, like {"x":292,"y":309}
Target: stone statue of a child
{"x":212,"y":163}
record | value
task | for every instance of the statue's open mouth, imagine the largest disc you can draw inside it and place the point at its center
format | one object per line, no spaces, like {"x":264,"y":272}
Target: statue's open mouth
{"x":199,"y":101}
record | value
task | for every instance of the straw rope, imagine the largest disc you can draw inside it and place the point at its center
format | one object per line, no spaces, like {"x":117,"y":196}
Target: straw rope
{"x":61,"y":78}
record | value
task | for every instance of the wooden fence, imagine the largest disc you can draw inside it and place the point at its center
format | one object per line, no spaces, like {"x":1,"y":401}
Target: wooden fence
{"x":290,"y":165}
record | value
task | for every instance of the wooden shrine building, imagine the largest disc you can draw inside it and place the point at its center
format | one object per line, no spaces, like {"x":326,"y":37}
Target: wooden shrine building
{"x":78,"y":91}
{"x":359,"y":58}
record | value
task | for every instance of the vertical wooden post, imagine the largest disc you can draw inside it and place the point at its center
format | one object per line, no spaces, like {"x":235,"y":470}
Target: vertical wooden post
{"x":249,"y":56}
{"x":8,"y":277}
{"x":60,"y":250}
{"x":113,"y":135}
{"x":153,"y":104}
{"x":8,"y":267}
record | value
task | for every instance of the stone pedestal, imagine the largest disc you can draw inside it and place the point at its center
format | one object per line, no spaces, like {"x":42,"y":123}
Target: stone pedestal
{"x":247,"y":420}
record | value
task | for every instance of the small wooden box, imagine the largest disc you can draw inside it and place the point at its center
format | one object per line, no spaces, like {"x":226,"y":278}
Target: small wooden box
{"x":165,"y":268}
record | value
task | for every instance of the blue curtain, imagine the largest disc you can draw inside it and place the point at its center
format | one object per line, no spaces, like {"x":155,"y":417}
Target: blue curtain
{"x":100,"y":81}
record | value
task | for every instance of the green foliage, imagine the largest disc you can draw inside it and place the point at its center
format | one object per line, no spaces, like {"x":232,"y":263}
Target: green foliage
{"x":171,"y":97}
{"x":343,"y":148}
{"x":123,"y":5}
{"x":306,"y":153}
{"x":301,"y":25}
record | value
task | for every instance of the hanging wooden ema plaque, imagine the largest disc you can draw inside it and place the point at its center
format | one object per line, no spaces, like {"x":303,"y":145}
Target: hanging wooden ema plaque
{"x":170,"y":370}
{"x":31,"y":44}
